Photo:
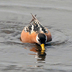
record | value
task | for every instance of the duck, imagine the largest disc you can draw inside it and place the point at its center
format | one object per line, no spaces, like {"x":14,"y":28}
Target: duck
{"x":35,"y":32}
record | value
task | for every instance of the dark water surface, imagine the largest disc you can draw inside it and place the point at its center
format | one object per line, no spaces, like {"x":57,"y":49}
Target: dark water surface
{"x":15,"y":56}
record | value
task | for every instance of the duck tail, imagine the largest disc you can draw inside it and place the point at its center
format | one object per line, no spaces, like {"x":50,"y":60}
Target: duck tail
{"x":33,"y":17}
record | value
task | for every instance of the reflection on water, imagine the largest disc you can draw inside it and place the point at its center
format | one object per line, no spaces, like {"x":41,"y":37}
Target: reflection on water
{"x":38,"y":55}
{"x":36,"y":52}
{"x":41,"y":57}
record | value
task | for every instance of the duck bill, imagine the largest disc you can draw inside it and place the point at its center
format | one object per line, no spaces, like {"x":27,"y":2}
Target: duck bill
{"x":42,"y":48}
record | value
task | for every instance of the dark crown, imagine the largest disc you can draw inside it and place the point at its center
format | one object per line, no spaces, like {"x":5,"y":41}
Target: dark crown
{"x":42,"y":38}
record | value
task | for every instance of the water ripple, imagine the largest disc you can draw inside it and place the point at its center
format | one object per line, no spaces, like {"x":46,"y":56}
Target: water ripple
{"x":31,"y":6}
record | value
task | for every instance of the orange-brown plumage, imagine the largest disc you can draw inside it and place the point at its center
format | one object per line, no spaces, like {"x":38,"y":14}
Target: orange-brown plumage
{"x":28,"y":38}
{"x":31,"y":38}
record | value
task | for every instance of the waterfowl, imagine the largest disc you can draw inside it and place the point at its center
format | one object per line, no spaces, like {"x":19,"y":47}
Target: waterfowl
{"x":35,"y":32}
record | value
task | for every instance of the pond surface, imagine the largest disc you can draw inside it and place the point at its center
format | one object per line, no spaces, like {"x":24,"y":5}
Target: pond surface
{"x":16,"y":56}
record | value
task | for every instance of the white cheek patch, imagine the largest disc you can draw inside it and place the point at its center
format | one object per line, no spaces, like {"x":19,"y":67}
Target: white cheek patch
{"x":37,"y":39}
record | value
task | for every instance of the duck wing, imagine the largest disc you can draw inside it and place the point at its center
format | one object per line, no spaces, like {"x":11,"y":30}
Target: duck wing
{"x":35,"y":26}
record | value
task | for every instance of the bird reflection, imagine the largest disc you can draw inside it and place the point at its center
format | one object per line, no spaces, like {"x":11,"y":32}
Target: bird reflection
{"x":37,"y":49}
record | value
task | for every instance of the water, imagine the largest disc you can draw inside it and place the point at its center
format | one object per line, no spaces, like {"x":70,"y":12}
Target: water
{"x":16,"y":56}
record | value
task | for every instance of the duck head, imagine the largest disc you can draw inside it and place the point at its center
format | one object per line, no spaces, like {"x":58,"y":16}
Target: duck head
{"x":41,"y":39}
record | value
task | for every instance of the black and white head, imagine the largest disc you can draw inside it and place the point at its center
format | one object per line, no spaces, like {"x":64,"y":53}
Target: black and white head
{"x":41,"y":39}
